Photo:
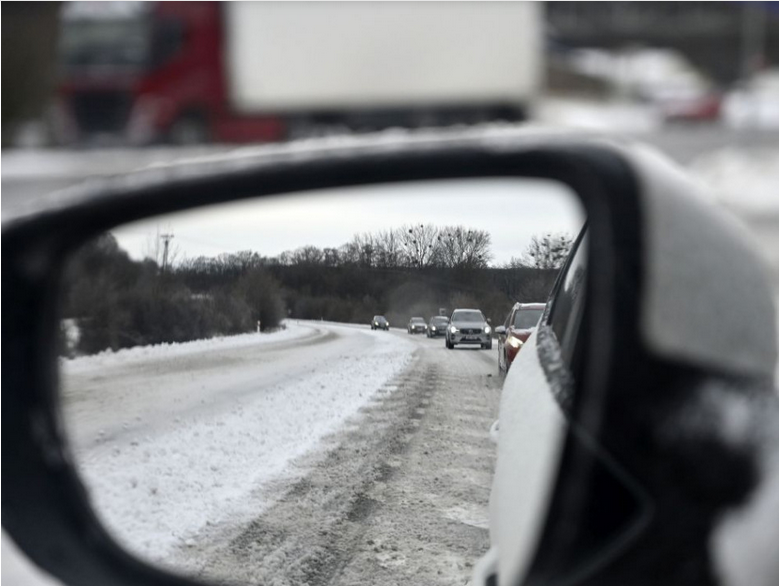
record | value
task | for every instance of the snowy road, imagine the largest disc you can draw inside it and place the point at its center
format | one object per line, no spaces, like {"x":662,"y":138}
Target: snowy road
{"x":322,"y":454}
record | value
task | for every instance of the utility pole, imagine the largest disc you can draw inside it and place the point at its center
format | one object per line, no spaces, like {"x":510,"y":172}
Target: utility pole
{"x":166,"y":237}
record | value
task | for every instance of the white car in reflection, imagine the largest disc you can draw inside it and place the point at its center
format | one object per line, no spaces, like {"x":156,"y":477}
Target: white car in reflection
{"x":468,"y":326}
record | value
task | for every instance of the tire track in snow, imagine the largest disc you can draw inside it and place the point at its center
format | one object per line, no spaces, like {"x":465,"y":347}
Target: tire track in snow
{"x":401,"y":495}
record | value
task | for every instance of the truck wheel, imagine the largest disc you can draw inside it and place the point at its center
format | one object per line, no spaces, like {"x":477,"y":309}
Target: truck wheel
{"x":189,"y":129}
{"x":448,"y":344}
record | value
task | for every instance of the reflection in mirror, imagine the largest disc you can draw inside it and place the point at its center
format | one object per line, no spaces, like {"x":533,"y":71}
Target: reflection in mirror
{"x":245,"y":402}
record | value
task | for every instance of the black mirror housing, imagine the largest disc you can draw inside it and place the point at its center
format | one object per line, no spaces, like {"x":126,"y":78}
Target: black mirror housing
{"x":634,"y":364}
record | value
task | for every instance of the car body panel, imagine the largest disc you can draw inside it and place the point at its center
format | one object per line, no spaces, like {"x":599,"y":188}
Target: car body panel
{"x":518,"y":506}
{"x":698,"y":277}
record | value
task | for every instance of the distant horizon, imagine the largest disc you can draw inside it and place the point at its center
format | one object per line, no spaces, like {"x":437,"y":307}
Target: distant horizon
{"x":511,"y":210}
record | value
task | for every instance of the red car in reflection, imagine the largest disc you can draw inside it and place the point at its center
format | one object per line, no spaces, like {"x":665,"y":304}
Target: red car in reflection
{"x":512,"y":334}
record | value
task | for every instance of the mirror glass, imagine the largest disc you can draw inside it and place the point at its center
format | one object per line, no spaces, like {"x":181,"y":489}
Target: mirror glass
{"x":248,"y":399}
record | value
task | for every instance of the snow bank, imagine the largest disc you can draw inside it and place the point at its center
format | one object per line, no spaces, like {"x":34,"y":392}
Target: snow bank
{"x":109,"y":358}
{"x":157,"y":488}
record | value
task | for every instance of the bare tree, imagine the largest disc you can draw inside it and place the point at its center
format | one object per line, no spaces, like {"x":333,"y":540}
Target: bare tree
{"x":388,"y":248}
{"x":285,"y":258}
{"x":359,"y":251}
{"x":463,"y":247}
{"x":547,"y":251}
{"x":331,"y":256}
{"x":307,"y":255}
{"x":418,"y":245}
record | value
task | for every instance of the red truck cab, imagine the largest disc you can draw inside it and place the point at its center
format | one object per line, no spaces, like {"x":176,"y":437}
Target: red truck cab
{"x":145,"y":72}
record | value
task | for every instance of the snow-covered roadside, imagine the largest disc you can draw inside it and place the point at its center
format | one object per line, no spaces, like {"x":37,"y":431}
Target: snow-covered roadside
{"x":106,"y":359}
{"x":155,"y":487}
{"x":399,"y":328}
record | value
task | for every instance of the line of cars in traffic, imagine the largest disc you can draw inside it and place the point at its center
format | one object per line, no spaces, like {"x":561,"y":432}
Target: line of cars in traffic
{"x":469,"y":326}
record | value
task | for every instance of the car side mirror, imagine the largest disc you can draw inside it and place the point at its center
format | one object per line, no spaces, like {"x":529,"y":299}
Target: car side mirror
{"x":662,"y":356}
{"x":500,"y":330}
{"x":603,"y":446}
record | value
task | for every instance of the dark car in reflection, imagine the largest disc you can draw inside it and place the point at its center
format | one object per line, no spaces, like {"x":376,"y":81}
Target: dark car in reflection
{"x":437,"y":326}
{"x":417,"y":325}
{"x":379,"y":322}
{"x":519,"y":324}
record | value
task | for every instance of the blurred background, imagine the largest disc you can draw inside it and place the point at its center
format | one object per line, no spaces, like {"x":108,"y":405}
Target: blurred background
{"x":140,"y":73}
{"x":96,"y":88}
{"x":93,"y":88}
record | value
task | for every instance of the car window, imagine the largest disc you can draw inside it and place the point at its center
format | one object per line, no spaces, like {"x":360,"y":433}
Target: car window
{"x":568,"y":304}
{"x":468,"y":316}
{"x":527,"y":318}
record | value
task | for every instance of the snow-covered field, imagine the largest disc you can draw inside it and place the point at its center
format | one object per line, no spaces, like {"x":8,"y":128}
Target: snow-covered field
{"x":173,"y":438}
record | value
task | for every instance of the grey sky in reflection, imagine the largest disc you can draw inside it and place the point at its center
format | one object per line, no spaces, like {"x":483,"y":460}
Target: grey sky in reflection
{"x":511,"y":210}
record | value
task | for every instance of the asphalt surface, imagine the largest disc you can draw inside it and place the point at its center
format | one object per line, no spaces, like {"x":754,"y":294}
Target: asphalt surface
{"x":397,"y":494}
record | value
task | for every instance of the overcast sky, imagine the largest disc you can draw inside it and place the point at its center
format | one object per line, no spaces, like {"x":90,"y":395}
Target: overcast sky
{"x":511,"y":210}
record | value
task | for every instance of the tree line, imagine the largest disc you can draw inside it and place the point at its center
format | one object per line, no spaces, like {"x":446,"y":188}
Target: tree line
{"x":408,"y":246}
{"x":413,"y":270}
